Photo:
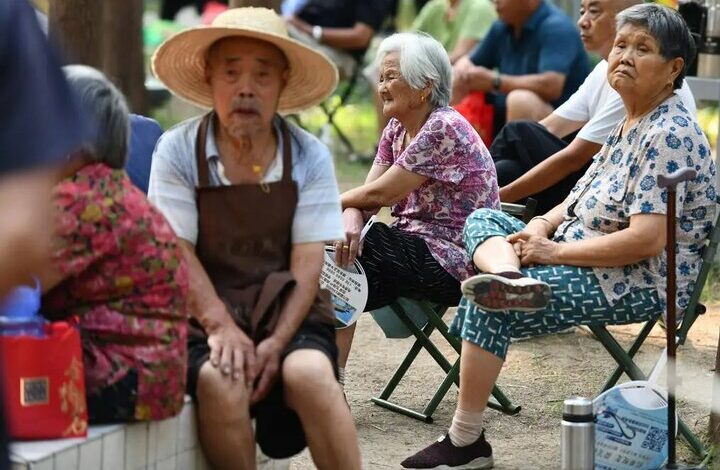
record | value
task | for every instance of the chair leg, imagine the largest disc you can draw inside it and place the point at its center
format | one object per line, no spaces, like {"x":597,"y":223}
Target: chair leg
{"x":343,"y":138}
{"x":404,"y":365}
{"x":330,"y":112}
{"x":695,"y":443}
{"x":502,"y":403}
{"x":499,"y":401}
{"x":631,"y":352}
{"x":422,"y":341}
{"x":633,"y":371}
{"x":617,"y":352}
{"x":423,"y":338}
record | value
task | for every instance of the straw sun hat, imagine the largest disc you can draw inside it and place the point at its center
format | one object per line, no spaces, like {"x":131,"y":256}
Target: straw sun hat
{"x":180,"y":61}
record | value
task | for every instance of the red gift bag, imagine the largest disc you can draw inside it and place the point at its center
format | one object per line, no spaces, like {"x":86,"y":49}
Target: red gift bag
{"x":479,"y":114}
{"x":44,"y":384}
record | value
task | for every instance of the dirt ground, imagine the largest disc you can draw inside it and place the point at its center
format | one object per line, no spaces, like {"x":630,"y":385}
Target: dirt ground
{"x":538,"y":375}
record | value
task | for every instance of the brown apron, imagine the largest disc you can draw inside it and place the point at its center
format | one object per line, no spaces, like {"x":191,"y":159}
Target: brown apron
{"x":244,"y":243}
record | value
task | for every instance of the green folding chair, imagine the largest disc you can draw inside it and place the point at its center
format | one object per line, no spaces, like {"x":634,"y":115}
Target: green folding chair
{"x":624,"y":358}
{"x":406,"y":317}
{"x":339,"y":99}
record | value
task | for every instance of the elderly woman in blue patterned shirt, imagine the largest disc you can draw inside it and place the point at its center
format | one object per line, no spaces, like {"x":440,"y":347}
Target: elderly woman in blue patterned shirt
{"x":597,"y":258}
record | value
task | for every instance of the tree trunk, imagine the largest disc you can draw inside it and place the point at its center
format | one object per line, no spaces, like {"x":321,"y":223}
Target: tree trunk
{"x":123,"y":57}
{"x":76,"y":27}
{"x":274,"y":4}
{"x":715,"y":412}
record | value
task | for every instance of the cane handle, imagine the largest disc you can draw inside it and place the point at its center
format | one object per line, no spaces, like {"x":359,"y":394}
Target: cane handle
{"x":671,"y":180}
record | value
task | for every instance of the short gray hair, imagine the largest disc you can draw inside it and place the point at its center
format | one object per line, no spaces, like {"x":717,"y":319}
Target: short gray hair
{"x":423,"y":61}
{"x":106,"y":109}
{"x":669,"y":30}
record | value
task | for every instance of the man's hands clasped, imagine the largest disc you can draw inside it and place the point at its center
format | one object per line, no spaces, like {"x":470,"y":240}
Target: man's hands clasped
{"x":233,"y":353}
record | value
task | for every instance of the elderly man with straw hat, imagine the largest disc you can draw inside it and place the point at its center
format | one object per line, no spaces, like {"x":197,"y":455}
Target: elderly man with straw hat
{"x":253,"y":199}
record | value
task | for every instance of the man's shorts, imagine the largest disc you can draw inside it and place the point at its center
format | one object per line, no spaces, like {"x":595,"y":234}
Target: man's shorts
{"x":278,"y":429}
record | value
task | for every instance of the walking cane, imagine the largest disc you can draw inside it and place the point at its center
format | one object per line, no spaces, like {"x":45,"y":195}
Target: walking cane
{"x":670,"y":182}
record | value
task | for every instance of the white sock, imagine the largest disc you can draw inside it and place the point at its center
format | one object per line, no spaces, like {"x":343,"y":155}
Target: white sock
{"x":341,"y":376}
{"x":466,"y":427}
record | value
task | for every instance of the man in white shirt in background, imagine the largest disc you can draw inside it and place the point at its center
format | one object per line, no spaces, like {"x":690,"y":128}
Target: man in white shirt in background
{"x":544,"y":160}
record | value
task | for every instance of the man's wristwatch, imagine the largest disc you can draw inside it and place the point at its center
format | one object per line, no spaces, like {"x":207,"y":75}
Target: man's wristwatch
{"x":496,"y":83}
{"x":317,"y":33}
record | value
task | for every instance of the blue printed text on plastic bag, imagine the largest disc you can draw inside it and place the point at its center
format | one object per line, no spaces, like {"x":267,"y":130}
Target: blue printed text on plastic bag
{"x":628,"y":437}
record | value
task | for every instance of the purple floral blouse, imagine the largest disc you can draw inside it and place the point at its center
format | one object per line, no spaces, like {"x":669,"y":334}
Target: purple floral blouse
{"x":461,"y":178}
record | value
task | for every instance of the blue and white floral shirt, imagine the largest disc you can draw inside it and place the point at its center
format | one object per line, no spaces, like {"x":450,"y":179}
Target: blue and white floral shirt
{"x":622,"y":182}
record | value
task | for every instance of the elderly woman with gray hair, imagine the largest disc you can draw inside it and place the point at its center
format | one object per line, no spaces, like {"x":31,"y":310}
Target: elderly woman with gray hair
{"x":432,"y":169}
{"x":598,"y":257}
{"x":117,"y":267}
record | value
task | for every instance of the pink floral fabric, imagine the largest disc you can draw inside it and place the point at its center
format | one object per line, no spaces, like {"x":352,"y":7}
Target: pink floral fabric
{"x":126,"y":280}
{"x":461,"y":178}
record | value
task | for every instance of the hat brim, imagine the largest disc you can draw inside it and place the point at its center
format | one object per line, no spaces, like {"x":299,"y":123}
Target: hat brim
{"x":180,"y":64}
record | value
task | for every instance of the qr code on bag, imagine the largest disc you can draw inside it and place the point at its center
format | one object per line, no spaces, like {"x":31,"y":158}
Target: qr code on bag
{"x":655,"y":439}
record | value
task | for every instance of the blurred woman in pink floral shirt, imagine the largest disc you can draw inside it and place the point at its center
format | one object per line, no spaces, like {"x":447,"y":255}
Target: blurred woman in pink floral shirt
{"x":118,"y":269}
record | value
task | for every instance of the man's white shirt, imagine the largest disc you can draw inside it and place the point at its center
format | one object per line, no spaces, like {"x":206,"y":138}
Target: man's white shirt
{"x":598,"y":105}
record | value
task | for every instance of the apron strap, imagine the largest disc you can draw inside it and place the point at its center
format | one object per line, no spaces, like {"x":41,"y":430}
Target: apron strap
{"x":274,"y":288}
{"x":287,"y":152}
{"x":200,"y":141}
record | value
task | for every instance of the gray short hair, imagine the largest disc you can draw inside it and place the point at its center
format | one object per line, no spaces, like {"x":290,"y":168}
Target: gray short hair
{"x":106,"y":108}
{"x":669,"y":30}
{"x":423,"y":61}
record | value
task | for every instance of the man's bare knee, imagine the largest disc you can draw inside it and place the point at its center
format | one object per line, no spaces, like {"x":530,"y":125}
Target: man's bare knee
{"x":216,"y":391}
{"x":308,"y":374}
{"x":223,"y":415}
{"x":526,"y":104}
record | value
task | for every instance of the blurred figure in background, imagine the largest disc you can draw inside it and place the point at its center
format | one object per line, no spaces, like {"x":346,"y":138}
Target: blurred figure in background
{"x":170,"y":8}
{"x":529,"y":63}
{"x":459,"y":25}
{"x":41,"y":124}
{"x":342,"y":29}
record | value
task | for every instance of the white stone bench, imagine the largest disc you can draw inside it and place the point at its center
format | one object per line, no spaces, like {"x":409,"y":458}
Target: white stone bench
{"x":161,"y":445}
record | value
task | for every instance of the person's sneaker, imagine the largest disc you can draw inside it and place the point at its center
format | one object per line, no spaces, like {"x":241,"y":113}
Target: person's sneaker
{"x":442,"y":454}
{"x":506,"y":291}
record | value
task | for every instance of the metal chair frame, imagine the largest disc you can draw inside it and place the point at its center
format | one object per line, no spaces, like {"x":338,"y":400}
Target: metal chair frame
{"x":433,"y":314}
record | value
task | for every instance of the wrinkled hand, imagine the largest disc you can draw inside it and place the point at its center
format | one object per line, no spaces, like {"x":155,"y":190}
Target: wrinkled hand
{"x":267,"y":366}
{"x":232,"y":352}
{"x":534,"y":249}
{"x":346,"y":252}
{"x":537,"y":227}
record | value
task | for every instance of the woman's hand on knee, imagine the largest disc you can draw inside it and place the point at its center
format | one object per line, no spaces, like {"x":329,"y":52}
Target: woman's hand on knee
{"x":539,"y":227}
{"x":534,"y":249}
{"x":351,"y":248}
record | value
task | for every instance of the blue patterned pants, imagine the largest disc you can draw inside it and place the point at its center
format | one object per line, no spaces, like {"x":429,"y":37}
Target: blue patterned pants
{"x":577,"y":298}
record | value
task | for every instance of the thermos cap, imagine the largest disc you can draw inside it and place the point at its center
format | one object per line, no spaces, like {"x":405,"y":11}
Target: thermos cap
{"x":578,"y":406}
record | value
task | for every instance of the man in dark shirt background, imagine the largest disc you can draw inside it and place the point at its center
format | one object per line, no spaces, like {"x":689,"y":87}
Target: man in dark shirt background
{"x":342,"y":29}
{"x":529,"y":63}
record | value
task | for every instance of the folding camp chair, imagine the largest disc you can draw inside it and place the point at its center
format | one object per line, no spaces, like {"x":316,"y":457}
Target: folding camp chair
{"x":333,"y":104}
{"x":421,"y":318}
{"x":694,"y":309}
